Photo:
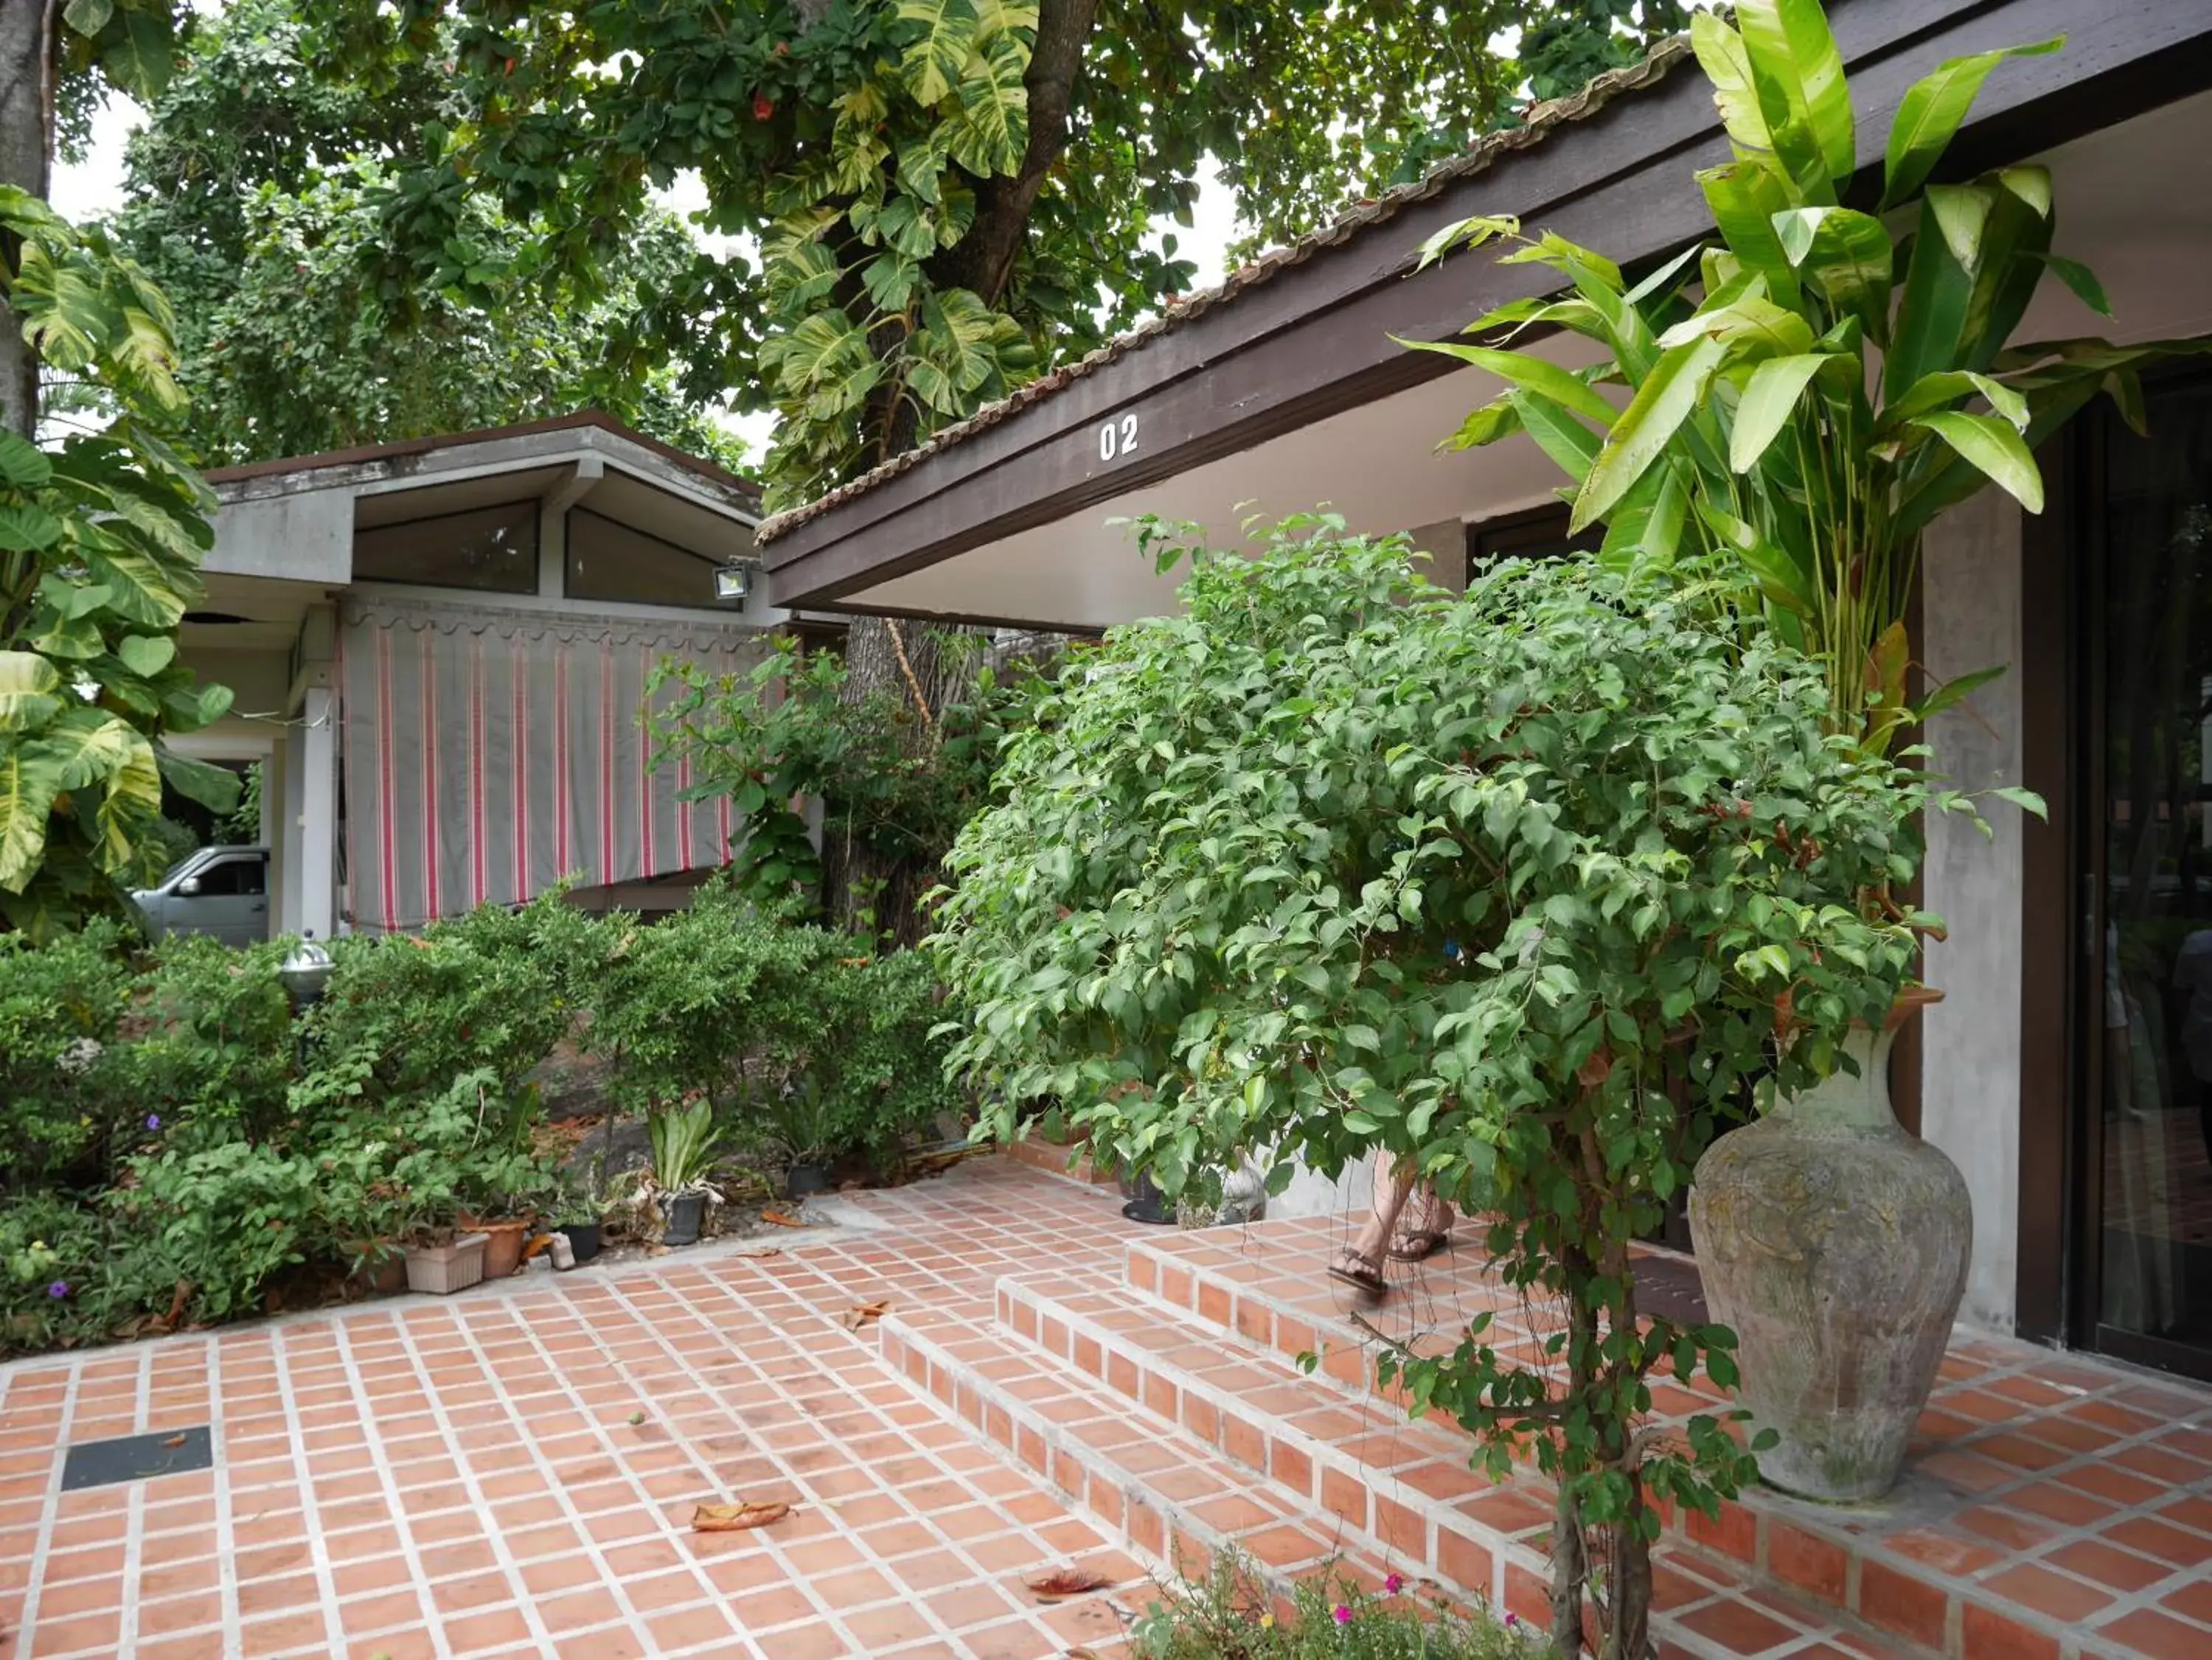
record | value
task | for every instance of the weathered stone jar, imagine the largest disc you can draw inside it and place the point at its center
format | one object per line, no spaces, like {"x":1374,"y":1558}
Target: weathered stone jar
{"x":1835,"y":1246}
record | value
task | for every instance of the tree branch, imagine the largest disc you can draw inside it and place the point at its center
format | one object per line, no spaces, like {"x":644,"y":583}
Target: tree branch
{"x":983,"y":260}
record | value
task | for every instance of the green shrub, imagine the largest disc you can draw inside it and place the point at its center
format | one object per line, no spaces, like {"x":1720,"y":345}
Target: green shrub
{"x":62,"y":1098}
{"x":1230,"y":1616}
{"x":224,"y":1219}
{"x":211,"y":1059}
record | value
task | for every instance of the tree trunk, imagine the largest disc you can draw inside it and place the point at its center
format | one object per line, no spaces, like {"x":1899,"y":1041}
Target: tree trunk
{"x":25,"y":152}
{"x":902,"y":661}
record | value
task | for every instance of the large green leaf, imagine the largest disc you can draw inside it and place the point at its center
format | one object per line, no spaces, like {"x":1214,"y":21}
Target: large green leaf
{"x":25,"y":527}
{"x":29,"y":688}
{"x":23,"y":465}
{"x":1931,"y":316}
{"x":1993,"y":449}
{"x":1746,"y":198}
{"x":131,"y":804}
{"x":1935,"y":392}
{"x":140,"y":589}
{"x":993,"y":129}
{"x":937,"y":55}
{"x":1721,"y":54}
{"x":1646,"y":527}
{"x":1778,"y":77}
{"x":29,"y":780}
{"x":1846,"y":256}
{"x":1795,"y":32}
{"x":1643,"y":430}
{"x":1930,"y":113}
{"x":1486,"y":424}
{"x":215,"y":788}
{"x":146,"y":655}
{"x":1538,"y":375}
{"x":1572,"y":447}
{"x":1769,"y":397}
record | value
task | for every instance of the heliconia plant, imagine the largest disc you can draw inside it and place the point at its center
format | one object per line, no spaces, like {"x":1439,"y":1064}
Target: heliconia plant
{"x":1839,"y":376}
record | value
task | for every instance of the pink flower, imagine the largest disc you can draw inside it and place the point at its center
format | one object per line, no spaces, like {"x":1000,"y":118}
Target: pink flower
{"x":1393,"y":1584}
{"x":1512,"y":1619}
{"x":1343,"y":1615}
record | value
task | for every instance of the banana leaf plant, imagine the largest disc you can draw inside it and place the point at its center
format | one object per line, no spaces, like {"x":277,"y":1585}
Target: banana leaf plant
{"x":1809,"y":390}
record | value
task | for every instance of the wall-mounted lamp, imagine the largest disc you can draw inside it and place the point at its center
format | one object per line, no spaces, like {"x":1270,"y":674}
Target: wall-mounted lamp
{"x":734,"y":581}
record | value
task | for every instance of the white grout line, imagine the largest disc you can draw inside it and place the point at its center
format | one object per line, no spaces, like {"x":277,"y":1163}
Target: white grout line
{"x":27,"y":1621}
{"x":318,"y":1549}
{"x":381,"y":1461}
{"x":226,"y":1517}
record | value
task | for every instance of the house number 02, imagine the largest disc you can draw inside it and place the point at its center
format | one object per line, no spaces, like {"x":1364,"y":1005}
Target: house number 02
{"x":1117,"y":437}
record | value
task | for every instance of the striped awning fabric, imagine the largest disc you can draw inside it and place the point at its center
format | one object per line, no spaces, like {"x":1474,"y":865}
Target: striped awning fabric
{"x":488,"y":752}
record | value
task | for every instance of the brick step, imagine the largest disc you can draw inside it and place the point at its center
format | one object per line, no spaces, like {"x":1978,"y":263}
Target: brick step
{"x":1264,"y":1289}
{"x":1071,"y":1159}
{"x":1401,"y":1488}
{"x":1176,"y":1502}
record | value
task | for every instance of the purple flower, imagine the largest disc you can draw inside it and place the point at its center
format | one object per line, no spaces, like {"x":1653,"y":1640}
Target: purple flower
{"x":1343,"y":1615}
{"x":1512,"y":1618}
{"x":153,"y":1121}
{"x":1393,"y":1584}
{"x":58,"y":1288}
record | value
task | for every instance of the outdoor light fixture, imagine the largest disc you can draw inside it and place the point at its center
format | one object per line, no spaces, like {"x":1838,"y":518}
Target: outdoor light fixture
{"x":305,"y":972}
{"x":734,"y":581}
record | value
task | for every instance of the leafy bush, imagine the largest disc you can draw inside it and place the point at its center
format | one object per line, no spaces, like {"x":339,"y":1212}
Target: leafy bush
{"x":1231,"y":1615}
{"x":1530,"y":887}
{"x":63,"y":1099}
{"x":224,"y":1219}
{"x":212,"y":1057}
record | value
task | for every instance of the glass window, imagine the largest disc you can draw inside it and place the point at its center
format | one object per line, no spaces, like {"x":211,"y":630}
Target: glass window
{"x":228,"y":878}
{"x":490,"y":548}
{"x":607,"y":560}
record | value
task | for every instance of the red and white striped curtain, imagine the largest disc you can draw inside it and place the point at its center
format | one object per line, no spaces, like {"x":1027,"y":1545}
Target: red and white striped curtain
{"x":488,"y":752}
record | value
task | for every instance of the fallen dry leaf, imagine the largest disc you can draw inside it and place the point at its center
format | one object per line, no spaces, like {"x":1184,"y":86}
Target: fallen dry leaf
{"x":1065,"y":1582}
{"x":777,"y":1219}
{"x":729,"y":1519}
{"x":174,"y":1441}
{"x":865,"y":1314}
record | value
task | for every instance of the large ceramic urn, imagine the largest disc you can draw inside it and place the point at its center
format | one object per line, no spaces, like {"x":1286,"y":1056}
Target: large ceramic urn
{"x":1835,"y":1246}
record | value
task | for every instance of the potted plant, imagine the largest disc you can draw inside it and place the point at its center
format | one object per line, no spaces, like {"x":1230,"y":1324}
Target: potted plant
{"x":803,"y":1124}
{"x":683,"y":1141}
{"x":1842,"y":378}
{"x":579,"y":1208}
{"x":441,"y":1256}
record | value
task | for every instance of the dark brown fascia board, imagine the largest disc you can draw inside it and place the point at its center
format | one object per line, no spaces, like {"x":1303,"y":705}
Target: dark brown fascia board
{"x":964,"y":619}
{"x":1315,"y":341}
{"x":400,"y":448}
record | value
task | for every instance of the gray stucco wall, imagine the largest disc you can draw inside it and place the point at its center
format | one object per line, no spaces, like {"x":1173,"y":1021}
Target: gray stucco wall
{"x":1970,"y":1077}
{"x":304,"y":538}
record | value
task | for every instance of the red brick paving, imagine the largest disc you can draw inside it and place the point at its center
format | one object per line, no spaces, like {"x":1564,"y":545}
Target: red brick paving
{"x":461,"y":1478}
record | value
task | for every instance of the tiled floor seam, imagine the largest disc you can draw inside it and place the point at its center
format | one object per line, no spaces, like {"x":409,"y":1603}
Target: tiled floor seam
{"x":226,"y":1513}
{"x":318,"y":1546}
{"x":410,"y":1547}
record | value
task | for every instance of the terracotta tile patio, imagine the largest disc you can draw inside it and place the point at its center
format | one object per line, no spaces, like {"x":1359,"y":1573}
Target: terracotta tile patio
{"x":511,"y":1472}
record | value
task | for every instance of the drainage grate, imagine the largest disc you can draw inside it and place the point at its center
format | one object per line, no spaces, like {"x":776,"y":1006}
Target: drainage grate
{"x":135,"y":1458}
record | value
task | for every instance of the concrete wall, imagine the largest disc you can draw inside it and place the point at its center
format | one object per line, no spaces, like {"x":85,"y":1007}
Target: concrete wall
{"x":1970,"y":1075}
{"x":302,"y":538}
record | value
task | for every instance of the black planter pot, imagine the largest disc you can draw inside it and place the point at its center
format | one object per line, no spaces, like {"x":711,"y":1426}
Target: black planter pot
{"x":1146,"y":1202}
{"x":802,"y":1179}
{"x":682,"y":1213}
{"x":583,"y":1239}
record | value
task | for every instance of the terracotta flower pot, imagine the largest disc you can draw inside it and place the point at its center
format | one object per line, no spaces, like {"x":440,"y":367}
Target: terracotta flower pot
{"x":1835,"y":1246}
{"x":503,"y":1243}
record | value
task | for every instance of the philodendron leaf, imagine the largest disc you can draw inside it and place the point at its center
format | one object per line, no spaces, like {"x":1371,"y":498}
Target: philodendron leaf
{"x":1995,"y":448}
{"x":937,"y":53}
{"x":25,"y":527}
{"x":215,"y":788}
{"x":29,"y":686}
{"x":146,"y":655}
{"x":23,"y":465}
{"x":1930,"y":113}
